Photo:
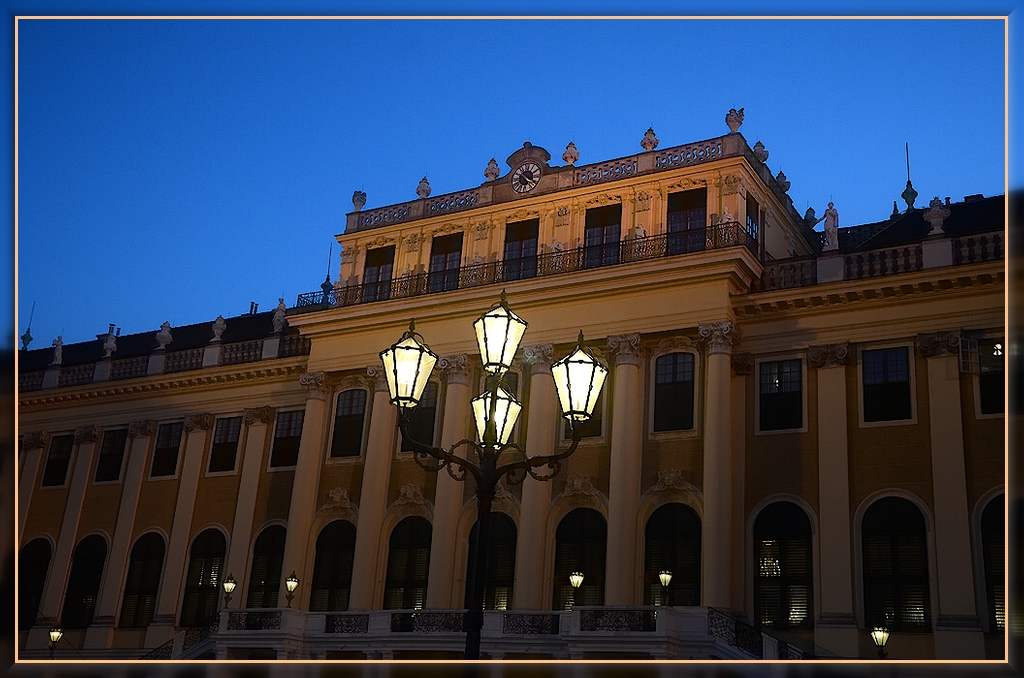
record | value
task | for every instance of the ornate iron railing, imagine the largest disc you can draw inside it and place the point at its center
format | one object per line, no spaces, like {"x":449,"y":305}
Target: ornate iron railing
{"x":735,"y":632}
{"x":887,"y":261}
{"x":30,"y":381}
{"x":127,"y":368}
{"x":978,"y":248}
{"x":427,"y":622}
{"x":198,"y":634}
{"x":347,"y":623}
{"x":162,"y":652}
{"x":78,"y":374}
{"x":719,"y":236}
{"x":641,"y":620}
{"x":242,"y":352}
{"x":254,"y":621}
{"x":179,"y":361}
{"x":529,"y":624}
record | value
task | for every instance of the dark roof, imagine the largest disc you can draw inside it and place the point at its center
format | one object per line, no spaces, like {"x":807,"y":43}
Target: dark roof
{"x":240,"y":328}
{"x":979,"y":215}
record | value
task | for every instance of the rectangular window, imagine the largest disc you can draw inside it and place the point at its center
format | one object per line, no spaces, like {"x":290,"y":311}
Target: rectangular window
{"x":753,"y":217}
{"x":287,"y":434}
{"x":57,"y":460}
{"x":348,"y":423}
{"x":421,"y":418}
{"x":225,"y":444}
{"x":445,"y":260}
{"x":601,"y":236}
{"x":521,"y":249}
{"x":990,"y":376}
{"x":165,"y":454}
{"x":781,"y":395}
{"x":687,"y":215}
{"x":377,"y":273}
{"x":673,"y":392}
{"x":108,"y":467}
{"x":886,"y":384}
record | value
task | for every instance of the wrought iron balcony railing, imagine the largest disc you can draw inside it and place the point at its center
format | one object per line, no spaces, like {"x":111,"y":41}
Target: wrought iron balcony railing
{"x":730,"y":234}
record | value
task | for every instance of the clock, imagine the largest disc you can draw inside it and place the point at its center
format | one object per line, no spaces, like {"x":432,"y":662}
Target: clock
{"x":525,"y":177}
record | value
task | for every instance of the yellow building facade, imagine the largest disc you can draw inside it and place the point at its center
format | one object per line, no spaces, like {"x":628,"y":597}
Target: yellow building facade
{"x":805,"y":429}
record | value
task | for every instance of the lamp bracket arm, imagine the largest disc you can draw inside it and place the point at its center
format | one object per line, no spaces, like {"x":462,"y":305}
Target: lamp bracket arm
{"x":552,"y":460}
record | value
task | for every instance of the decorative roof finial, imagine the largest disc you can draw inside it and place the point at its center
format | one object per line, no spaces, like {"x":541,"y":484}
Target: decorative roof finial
{"x":26,"y":338}
{"x":492,"y":172}
{"x":163,"y":337}
{"x":936,"y":214}
{"x":734,"y":119}
{"x":780,"y":179}
{"x":760,"y":152}
{"x":909,"y":195}
{"x":649,"y":142}
{"x":423,"y":190}
{"x":358,"y":199}
{"x":571,"y":155}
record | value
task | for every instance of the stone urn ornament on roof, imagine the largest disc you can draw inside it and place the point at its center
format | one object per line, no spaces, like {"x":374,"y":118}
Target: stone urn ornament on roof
{"x":571,"y":155}
{"x":780,"y":179}
{"x":936,"y":214}
{"x":163,"y":337}
{"x":423,"y":190}
{"x":219,"y":325}
{"x":492,"y":172}
{"x":649,"y":142}
{"x":760,"y":152}
{"x":358,"y":199}
{"x":734,"y":119}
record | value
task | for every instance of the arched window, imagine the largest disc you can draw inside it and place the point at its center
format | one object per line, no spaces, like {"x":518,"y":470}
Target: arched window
{"x":580,"y":543}
{"x":265,"y":575}
{"x":993,"y":537}
{"x":332,"y":569}
{"x":672,"y":539}
{"x":84,"y":582}
{"x":33,"y":565}
{"x":143,"y":582}
{"x":895,"y":566}
{"x":500,"y":569}
{"x":783,"y":574}
{"x":408,"y":563}
{"x":202,"y":582}
{"x":673,"y":392}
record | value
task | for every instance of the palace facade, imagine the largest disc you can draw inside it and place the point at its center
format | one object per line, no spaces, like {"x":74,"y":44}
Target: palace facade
{"x":804,"y":428}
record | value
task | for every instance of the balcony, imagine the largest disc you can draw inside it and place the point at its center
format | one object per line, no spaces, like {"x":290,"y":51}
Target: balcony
{"x":557,"y":262}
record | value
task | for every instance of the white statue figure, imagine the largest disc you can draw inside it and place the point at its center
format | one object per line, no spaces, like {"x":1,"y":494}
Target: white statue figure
{"x":831,"y":219}
{"x":109,"y":345}
{"x":58,"y":350}
{"x":163,"y":337}
{"x":279,"y":321}
{"x":726,"y":217}
{"x":219,"y":325}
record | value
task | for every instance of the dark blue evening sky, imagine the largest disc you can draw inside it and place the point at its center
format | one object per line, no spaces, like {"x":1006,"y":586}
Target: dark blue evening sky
{"x":179,"y":169}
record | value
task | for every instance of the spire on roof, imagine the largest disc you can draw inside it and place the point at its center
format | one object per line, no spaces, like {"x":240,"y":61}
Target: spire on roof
{"x":909,"y":195}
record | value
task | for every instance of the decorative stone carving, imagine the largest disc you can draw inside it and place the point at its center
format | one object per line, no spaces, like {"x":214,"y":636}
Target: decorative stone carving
{"x":579,"y":484}
{"x":726,"y":216}
{"x":672,"y":345}
{"x":412,"y":242}
{"x":279,"y":319}
{"x":163,"y":337}
{"x":446,"y":228}
{"x":643,"y":201}
{"x":649,"y":142}
{"x":571,"y":155}
{"x":522,"y":215}
{"x":686,"y":183}
{"x":731,"y":183}
{"x":672,"y":479}
{"x":411,"y":494}
{"x":379,"y":241}
{"x":810,"y":219}
{"x":539,"y":358}
{"x":87,"y":434}
{"x":34,"y":440}
{"x":780,"y":179}
{"x":829,"y":355}
{"x":58,"y":350}
{"x":604,"y":199}
{"x":742,"y":364}
{"x":934,"y":344}
{"x":354,"y":381}
{"x":348,"y":254}
{"x":423,"y":190}
{"x":258,"y":415}
{"x":492,"y":172}
{"x":480,"y":230}
{"x":219,"y":325}
{"x":109,"y":343}
{"x":454,"y":368}
{"x":562,"y":216}
{"x":625,"y":348}
{"x":760,"y":152}
{"x":719,"y":336}
{"x":198,"y":422}
{"x":734,"y":119}
{"x":337,"y":498}
{"x":379,"y":377}
{"x":935,"y":215}
{"x":141,"y":429}
{"x":315,"y":385}
{"x":358,"y":200}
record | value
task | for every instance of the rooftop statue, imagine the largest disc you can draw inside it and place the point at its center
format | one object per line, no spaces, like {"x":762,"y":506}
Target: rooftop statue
{"x":831,"y":219}
{"x":279,"y":321}
{"x":58,"y":350}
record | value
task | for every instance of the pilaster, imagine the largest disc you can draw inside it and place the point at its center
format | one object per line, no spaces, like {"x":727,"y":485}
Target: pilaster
{"x":32,"y":447}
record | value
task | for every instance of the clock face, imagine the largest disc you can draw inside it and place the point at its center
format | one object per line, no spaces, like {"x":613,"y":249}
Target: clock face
{"x":525,"y":177}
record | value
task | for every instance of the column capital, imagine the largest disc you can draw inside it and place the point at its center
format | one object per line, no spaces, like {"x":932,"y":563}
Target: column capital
{"x":719,"y":336}
{"x":379,"y":377}
{"x":198,"y":422}
{"x":935,"y":344}
{"x":742,"y":364}
{"x":625,"y":348}
{"x":539,"y":358}
{"x":87,"y":434}
{"x":34,"y":440}
{"x":828,"y":355}
{"x":142,"y":429}
{"x":315,"y":384}
{"x":454,"y":369}
{"x":258,"y":415}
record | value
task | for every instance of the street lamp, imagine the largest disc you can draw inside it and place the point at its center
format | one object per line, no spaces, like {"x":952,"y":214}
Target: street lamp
{"x":578,"y":379}
{"x":291,"y":583}
{"x":575,"y":580}
{"x":229,"y":588}
{"x":55,"y":636}
{"x":665,"y":577}
{"x":880,"y":636}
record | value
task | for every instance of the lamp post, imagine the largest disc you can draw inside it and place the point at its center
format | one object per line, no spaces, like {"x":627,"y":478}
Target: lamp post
{"x":665,"y":577}
{"x":578,"y":378}
{"x":229,"y":588}
{"x":880,"y":636}
{"x":291,"y":583}
{"x":575,"y":580}
{"x":55,"y":635}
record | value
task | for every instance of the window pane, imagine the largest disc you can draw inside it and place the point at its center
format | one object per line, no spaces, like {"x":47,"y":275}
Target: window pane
{"x":421,"y":418}
{"x":33,"y":565}
{"x":408,"y":562}
{"x":348,"y":423}
{"x":521,"y":249}
{"x":203,"y":578}
{"x":896,"y":590}
{"x":886,"y":384}
{"x":672,"y":542}
{"x":783,"y":576}
{"x":83,"y":583}
{"x":165,"y":454}
{"x":108,"y":466}
{"x":57,"y":459}
{"x":225,"y":444}
{"x":287,"y":434}
{"x":780,"y":395}
{"x":445,"y":259}
{"x":142,"y":581}
{"x":500,"y":567}
{"x":332,"y":569}
{"x":377,"y":273}
{"x":673,"y":392}
{"x":580,"y":545}
{"x":265,"y":575}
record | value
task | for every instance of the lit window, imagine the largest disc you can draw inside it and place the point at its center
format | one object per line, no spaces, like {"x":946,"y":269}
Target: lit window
{"x":783,"y":580}
{"x":781,"y":395}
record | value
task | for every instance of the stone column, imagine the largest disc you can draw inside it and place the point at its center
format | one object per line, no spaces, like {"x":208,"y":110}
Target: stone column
{"x":541,"y":439}
{"x":100,"y":633}
{"x":33,"y":446}
{"x":958,"y":632}
{"x":60,"y":564}
{"x":621,"y":582}
{"x":304,"y":486}
{"x":448,"y":496}
{"x":373,"y":495}
{"x":716,"y":540}
{"x":835,"y":629}
{"x":742,"y":367}
{"x":165,"y":618}
{"x":257,"y":421}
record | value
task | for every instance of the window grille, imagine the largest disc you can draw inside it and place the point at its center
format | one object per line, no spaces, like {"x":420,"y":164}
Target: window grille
{"x":143,"y":581}
{"x":83,"y":583}
{"x":580,"y":545}
{"x":265,"y":575}
{"x":672,"y":542}
{"x":408,"y":565}
{"x":783,"y":586}
{"x":500,"y":567}
{"x":896,"y":590}
{"x":332,"y":569}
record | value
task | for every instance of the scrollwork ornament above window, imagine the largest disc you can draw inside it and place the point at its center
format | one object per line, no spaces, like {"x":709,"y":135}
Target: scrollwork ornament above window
{"x":140,"y":429}
{"x":412,"y":242}
{"x":719,"y":336}
{"x":643,"y":201}
{"x":201,"y":421}
{"x":480,"y":230}
{"x":258,"y":415}
{"x":828,"y":355}
{"x":742,"y":364}
{"x":379,"y":377}
{"x":454,"y":368}
{"x":87,"y":434}
{"x":539,"y":358}
{"x":625,"y":348}
{"x":34,"y":440}
{"x":731,"y":184}
{"x":935,"y":344}
{"x":315,"y":385}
